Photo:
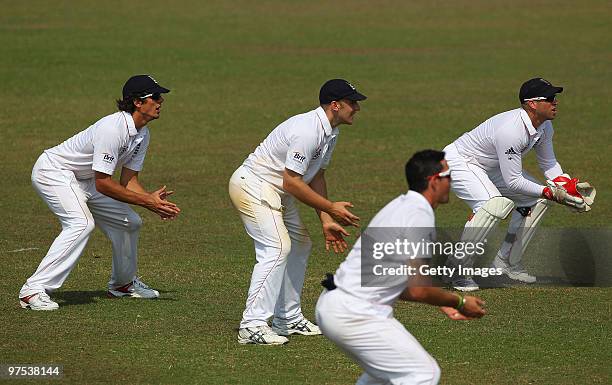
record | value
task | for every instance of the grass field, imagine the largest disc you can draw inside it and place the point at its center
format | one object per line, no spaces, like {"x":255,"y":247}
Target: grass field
{"x":431,"y":69}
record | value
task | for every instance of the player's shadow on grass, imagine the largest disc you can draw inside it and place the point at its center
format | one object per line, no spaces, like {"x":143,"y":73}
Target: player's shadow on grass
{"x":79,"y":297}
{"x":70,"y":298}
{"x":577,"y":258}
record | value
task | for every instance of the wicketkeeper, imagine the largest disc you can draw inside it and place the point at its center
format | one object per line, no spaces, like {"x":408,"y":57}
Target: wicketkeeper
{"x":488,"y":176}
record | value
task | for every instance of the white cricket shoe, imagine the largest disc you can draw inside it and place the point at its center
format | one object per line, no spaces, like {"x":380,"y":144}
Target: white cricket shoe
{"x":134,"y":289}
{"x":514,"y":272}
{"x":464,"y":284}
{"x":302,"y":327}
{"x":260,"y":335}
{"x":38,"y":301}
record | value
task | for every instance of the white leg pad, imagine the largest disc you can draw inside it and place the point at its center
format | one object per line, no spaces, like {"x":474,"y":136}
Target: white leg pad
{"x":524,"y":230}
{"x":481,"y":224}
{"x":485,"y":219}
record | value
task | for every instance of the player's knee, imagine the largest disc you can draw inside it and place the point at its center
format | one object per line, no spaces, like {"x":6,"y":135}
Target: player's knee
{"x":83,"y":225}
{"x":428,"y":373}
{"x":133,"y":222}
{"x":285,"y":247}
{"x":436,"y":372}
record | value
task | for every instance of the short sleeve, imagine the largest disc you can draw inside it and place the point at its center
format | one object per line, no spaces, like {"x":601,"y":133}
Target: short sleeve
{"x":302,"y":147}
{"x":106,"y":143}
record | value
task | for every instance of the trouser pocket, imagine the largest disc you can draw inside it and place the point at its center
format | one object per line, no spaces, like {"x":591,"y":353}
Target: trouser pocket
{"x":270,"y":197}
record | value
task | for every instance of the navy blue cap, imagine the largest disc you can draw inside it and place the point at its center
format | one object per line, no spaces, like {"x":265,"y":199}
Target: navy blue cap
{"x":140,"y":85}
{"x":338,"y":89}
{"x":537,"y":88}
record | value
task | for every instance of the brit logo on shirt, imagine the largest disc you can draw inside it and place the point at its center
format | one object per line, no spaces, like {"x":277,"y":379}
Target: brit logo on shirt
{"x":510,"y":152}
{"x":299,"y":157}
{"x":108,"y":158}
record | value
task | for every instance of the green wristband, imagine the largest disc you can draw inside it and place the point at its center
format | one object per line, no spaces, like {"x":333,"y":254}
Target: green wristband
{"x":461,"y":303}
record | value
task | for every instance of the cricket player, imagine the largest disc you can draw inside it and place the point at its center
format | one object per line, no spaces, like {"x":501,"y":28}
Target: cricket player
{"x":488,"y":176}
{"x":358,"y":317}
{"x":75,"y":180}
{"x":290,"y":165}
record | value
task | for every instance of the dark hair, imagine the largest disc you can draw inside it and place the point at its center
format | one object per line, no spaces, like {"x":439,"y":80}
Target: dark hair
{"x":423,"y":164}
{"x":127,"y":104}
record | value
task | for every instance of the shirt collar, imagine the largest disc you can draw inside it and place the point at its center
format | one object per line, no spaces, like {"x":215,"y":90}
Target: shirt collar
{"x":411,"y":194}
{"x":532,"y":130}
{"x":130,"y":123}
{"x":323,"y":118}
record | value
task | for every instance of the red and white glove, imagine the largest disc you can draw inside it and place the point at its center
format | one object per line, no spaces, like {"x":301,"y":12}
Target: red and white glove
{"x":587,"y":191}
{"x":579,"y":196}
{"x":574,"y":186}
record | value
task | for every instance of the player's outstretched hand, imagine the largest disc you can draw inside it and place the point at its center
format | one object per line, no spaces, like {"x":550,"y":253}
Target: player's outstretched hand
{"x":158,"y":203}
{"x":473,"y":307}
{"x":342,"y":215}
{"x":454,"y":314}
{"x":165,"y":194}
{"x":334,"y":237}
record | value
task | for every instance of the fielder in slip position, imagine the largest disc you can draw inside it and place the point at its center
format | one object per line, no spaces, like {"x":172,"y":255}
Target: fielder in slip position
{"x":358,"y":317}
{"x":74,"y":179}
{"x":288,"y":165}
{"x":488,"y":176}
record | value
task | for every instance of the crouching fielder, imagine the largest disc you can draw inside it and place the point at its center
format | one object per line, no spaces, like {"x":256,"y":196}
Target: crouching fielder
{"x":359,"y":318}
{"x":488,"y":176}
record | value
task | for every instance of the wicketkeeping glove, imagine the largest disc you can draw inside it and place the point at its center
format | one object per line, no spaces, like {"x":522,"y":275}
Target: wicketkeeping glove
{"x":564,"y":190}
{"x":587,"y":191}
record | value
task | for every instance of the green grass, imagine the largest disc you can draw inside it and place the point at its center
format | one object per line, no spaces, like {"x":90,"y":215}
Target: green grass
{"x":432,"y":70}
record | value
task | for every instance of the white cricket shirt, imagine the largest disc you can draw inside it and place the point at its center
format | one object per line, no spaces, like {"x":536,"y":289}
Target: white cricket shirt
{"x":303,"y":143}
{"x":410,"y":210}
{"x":500,"y":142}
{"x":111,"y":142}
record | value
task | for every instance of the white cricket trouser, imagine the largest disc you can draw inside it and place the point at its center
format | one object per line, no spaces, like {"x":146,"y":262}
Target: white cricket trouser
{"x":475,"y":186}
{"x":79,"y":207}
{"x":282,"y":247}
{"x":379,"y":343}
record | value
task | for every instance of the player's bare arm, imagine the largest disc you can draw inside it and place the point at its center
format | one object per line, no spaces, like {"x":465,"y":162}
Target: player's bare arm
{"x":333,"y":232}
{"x":450,"y":304}
{"x":453,"y":305}
{"x":152,"y":201}
{"x":129,"y":179}
{"x":295,"y":185}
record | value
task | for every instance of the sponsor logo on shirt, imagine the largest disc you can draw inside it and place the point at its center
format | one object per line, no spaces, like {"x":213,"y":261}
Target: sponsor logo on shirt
{"x":299,"y":157}
{"x":537,"y":141}
{"x":108,"y":158}
{"x":136,"y":149}
{"x":510,"y":152}
{"x":317,"y":153}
